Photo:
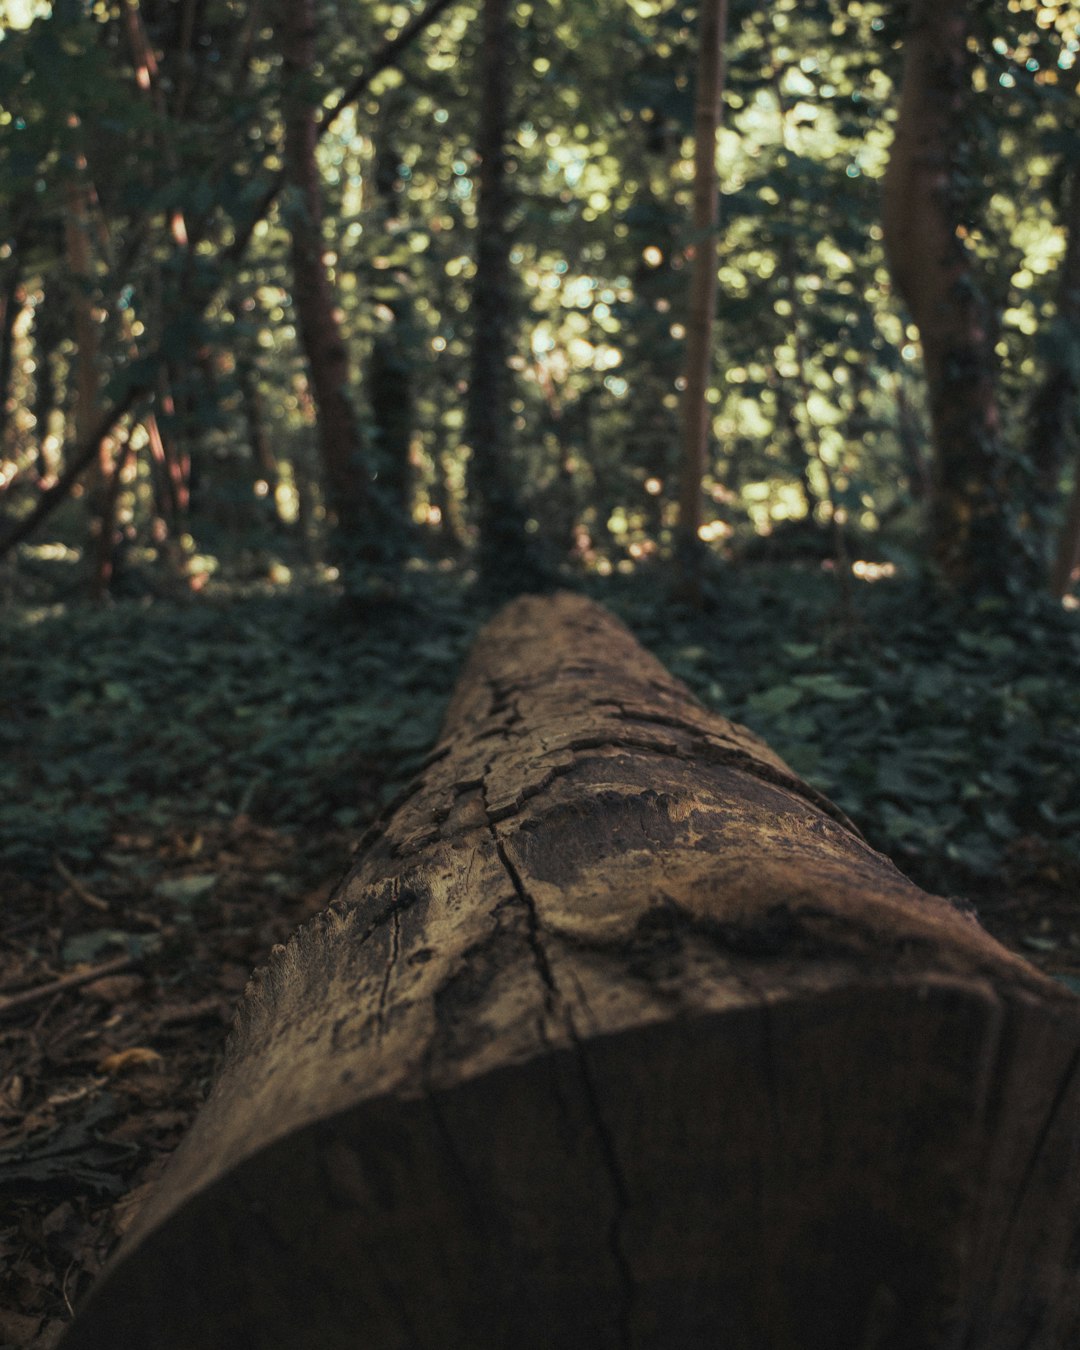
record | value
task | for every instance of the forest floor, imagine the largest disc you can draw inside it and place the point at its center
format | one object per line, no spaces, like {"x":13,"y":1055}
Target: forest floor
{"x":186,"y":784}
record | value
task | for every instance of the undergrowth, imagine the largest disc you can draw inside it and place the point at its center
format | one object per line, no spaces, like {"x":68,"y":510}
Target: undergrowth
{"x":949,"y":736}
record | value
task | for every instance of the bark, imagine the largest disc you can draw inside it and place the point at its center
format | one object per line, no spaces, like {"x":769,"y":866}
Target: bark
{"x":617,"y":1034}
{"x":935,"y":276}
{"x":505,"y":555}
{"x":702,"y":308}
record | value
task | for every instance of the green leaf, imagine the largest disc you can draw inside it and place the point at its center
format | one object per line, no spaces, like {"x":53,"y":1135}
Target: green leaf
{"x":779,"y":699}
{"x":829,"y":686}
{"x":187,"y":891}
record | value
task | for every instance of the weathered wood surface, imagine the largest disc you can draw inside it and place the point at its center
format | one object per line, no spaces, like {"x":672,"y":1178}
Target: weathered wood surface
{"x":619,"y":1035}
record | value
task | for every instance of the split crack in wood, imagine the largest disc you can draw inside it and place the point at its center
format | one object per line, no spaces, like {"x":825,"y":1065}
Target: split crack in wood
{"x":556,"y":1005}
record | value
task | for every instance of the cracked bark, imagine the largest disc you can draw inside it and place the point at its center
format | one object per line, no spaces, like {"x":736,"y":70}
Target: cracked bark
{"x":618,"y":1035}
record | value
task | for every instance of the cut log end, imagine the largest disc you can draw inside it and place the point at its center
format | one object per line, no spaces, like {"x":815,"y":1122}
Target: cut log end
{"x":618,"y":1035}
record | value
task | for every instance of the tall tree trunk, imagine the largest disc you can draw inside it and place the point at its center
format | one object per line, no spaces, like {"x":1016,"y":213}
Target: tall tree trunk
{"x":262,"y":454}
{"x":48,"y":335}
{"x":506,"y":556}
{"x":935,"y":276}
{"x":1067,"y":558}
{"x":359,"y":537}
{"x":618,"y":1034}
{"x":1054,"y":419}
{"x":11,"y":303}
{"x":101,"y":496}
{"x":392,"y":407}
{"x":712,"y":31}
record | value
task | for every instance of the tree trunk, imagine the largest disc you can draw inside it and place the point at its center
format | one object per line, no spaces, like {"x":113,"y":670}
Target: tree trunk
{"x":1052,"y":417}
{"x":390,"y":373}
{"x":264,"y":461}
{"x":12,"y":298}
{"x":618,"y":1034}
{"x":357,"y":535}
{"x":102,"y":494}
{"x":1068,"y":551}
{"x":701,"y":312}
{"x":935,"y":276}
{"x":49,"y":332}
{"x":506,"y":556}
{"x":1055,"y":410}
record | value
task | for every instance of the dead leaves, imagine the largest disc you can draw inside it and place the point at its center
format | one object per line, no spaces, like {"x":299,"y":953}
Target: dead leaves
{"x":124,"y":1061}
{"x":103,"y":1073}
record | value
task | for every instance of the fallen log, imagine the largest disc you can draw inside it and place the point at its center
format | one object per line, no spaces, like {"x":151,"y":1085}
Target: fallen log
{"x":618,"y":1034}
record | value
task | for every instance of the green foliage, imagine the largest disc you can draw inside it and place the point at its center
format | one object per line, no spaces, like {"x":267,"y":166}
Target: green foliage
{"x":817,"y":402}
{"x":155,"y":716}
{"x":947,"y":736}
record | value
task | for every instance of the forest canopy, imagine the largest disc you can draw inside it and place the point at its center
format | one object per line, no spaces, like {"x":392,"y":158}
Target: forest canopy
{"x":350,"y":283}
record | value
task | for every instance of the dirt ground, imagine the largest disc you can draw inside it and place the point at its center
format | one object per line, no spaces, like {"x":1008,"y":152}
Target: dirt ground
{"x":116,"y":997}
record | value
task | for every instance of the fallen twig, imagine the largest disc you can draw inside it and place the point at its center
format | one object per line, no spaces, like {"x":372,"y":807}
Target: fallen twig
{"x":86,"y":895}
{"x":24,"y":997}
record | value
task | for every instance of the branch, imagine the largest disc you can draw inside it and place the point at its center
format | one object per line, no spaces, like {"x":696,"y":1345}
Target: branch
{"x":25,"y":997}
{"x":81,"y":460}
{"x":383,"y":59}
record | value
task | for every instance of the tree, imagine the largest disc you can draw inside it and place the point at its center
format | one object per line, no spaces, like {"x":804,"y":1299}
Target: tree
{"x":1055,"y":410}
{"x":505,"y":554}
{"x":936,"y":277}
{"x":359,"y":532}
{"x":618,"y":1034}
{"x":712,"y":22}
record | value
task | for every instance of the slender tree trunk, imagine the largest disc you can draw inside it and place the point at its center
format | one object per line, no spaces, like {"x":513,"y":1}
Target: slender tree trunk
{"x":506,"y":557}
{"x":799,"y":454}
{"x":359,"y":536}
{"x":392,"y":406}
{"x":48,"y":335}
{"x":935,"y":275}
{"x":712,"y":32}
{"x":618,"y":1034}
{"x":101,"y":496}
{"x":147,"y":77}
{"x":1067,"y":558}
{"x":11,"y":303}
{"x":1054,"y":419}
{"x":262,"y":454}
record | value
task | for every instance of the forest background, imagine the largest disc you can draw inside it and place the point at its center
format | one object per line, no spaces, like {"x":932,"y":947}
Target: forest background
{"x":326,"y":326}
